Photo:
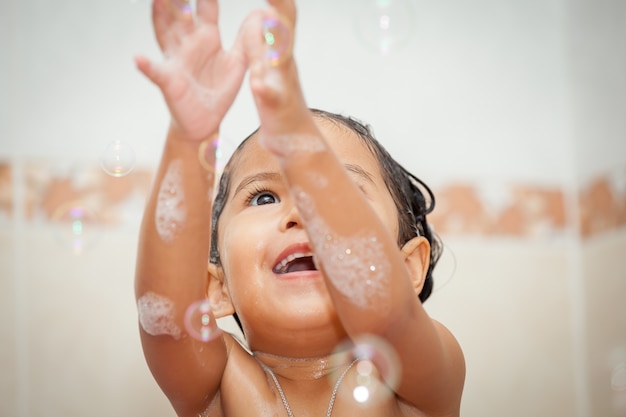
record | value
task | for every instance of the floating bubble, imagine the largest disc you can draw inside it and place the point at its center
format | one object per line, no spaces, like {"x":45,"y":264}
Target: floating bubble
{"x":277,"y":37}
{"x":75,"y":226}
{"x":445,"y":269}
{"x":214,"y":154}
{"x":375,"y":374}
{"x":118,"y":159}
{"x":199,"y":321}
{"x":618,"y":378}
{"x":385,"y":24}
{"x":183,"y":6}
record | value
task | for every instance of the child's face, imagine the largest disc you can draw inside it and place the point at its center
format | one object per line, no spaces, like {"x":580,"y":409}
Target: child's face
{"x":260,"y":222}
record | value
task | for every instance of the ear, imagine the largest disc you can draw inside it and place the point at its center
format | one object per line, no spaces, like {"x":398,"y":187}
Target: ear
{"x":416,"y":254}
{"x":217,"y":292}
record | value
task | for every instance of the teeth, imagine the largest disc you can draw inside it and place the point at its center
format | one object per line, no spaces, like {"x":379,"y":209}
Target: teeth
{"x":282,"y":265}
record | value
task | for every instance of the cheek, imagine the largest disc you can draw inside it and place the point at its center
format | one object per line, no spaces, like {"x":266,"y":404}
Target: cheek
{"x":386,"y":211}
{"x":242,"y":251}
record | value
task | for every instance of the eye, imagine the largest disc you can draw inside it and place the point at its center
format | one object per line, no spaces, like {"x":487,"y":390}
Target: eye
{"x":262,"y":197}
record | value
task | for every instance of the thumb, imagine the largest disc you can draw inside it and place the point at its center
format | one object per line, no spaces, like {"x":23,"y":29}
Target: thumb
{"x":153,"y":72}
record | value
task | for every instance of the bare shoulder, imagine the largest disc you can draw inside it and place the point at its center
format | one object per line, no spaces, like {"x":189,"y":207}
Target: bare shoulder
{"x":452,"y":346}
{"x":433,"y":387}
{"x":455,"y":372}
{"x":243,"y":386}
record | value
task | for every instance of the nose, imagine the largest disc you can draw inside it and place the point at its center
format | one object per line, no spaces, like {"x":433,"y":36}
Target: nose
{"x":291,"y":218}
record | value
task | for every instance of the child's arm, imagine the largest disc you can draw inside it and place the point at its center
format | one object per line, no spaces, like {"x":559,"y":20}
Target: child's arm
{"x":373,"y":293}
{"x":199,"y":81}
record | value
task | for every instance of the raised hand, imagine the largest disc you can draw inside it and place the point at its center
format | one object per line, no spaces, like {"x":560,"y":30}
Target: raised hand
{"x":198,"y":78}
{"x":273,"y":72}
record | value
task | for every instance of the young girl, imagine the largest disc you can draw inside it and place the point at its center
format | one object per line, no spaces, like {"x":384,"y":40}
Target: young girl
{"x":318,"y":243}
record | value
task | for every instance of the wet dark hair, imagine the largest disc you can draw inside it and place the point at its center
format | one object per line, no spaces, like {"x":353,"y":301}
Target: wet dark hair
{"x":412,"y":197}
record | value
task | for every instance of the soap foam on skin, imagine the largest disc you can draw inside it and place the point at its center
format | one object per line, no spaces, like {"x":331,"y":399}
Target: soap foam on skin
{"x":207,"y":96}
{"x":285,"y":145}
{"x":156,"y":315}
{"x":171,"y":213}
{"x":355,"y":265}
{"x":318,"y":179}
{"x":274,"y":81}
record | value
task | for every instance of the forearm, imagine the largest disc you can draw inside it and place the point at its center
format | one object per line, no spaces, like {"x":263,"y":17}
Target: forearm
{"x":175,"y":231}
{"x":171,"y":274}
{"x":363,"y":267}
{"x":366,"y":274}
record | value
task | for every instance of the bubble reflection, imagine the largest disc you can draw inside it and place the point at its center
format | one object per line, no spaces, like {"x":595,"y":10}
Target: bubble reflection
{"x":618,"y":378}
{"x":75,"y":226}
{"x":214,"y":154}
{"x":385,"y":25}
{"x":199,"y":321}
{"x":375,"y":375}
{"x":118,"y":159}
{"x":277,"y":39}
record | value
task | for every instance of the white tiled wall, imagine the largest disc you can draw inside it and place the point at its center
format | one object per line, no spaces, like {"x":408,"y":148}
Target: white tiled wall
{"x":529,"y":92}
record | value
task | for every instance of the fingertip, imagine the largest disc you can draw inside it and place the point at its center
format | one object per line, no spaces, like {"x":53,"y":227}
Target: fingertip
{"x":145,"y":66}
{"x":266,"y":37}
{"x":287,"y":8}
{"x":142,"y":63}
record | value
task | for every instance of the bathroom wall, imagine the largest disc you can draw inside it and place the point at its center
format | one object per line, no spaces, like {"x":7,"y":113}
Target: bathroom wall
{"x":511,"y":110}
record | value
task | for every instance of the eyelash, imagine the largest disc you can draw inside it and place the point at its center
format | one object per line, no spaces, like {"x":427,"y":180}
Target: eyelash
{"x":255,"y":192}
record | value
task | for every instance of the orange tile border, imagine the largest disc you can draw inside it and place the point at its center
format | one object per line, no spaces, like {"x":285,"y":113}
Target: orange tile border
{"x":603,"y":204}
{"x":6,"y":190}
{"x":50,"y":191}
{"x":463,"y":209}
{"x":524,"y":211}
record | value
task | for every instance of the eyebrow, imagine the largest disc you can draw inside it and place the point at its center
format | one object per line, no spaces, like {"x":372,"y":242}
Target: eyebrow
{"x":275,"y":176}
{"x":261,"y":176}
{"x":360,"y":172}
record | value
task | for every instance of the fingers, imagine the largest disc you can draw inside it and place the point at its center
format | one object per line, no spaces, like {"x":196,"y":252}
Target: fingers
{"x":207,"y":11}
{"x":172,"y":20}
{"x":265,"y":38}
{"x":286,"y":8}
{"x":162,"y":21}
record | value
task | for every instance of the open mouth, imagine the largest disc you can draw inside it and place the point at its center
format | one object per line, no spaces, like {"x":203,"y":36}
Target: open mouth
{"x":295,"y":262}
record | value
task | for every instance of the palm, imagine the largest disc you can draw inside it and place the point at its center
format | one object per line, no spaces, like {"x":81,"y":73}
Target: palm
{"x":198,"y":79}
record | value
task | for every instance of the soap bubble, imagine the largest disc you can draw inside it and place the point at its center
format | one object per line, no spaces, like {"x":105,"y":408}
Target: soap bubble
{"x":277,"y":37}
{"x":118,"y":159}
{"x":214,"y":154}
{"x":183,"y":6}
{"x":75,"y":226}
{"x":376,"y":370}
{"x":618,"y":377}
{"x":445,"y":269}
{"x":385,"y":24}
{"x":199,"y":321}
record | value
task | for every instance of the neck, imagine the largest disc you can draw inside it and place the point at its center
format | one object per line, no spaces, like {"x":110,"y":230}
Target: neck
{"x":303,"y":369}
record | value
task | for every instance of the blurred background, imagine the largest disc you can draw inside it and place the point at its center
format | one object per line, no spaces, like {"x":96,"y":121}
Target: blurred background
{"x":513,"y":111}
